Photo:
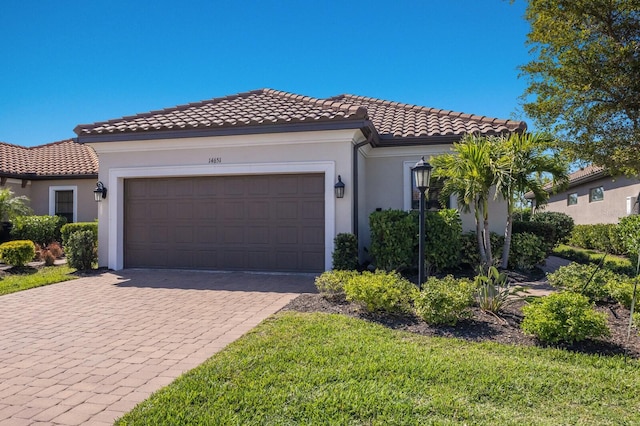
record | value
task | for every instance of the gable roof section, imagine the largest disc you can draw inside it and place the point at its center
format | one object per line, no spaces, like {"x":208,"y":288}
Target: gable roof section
{"x":55,"y":160}
{"x":267,"y":110}
{"x":583,"y":175}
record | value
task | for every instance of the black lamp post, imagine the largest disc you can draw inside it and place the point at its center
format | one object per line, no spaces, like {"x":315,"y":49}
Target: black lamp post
{"x":421,"y":175}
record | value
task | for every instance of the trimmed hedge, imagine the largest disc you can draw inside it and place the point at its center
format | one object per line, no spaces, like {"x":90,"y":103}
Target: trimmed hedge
{"x":544,"y":230}
{"x":18,"y":252}
{"x":527,"y":251}
{"x":395,"y":239}
{"x":619,"y":265}
{"x":563,"y":224}
{"x":81,"y":250}
{"x":345,"y":252}
{"x":470,"y":254}
{"x":42,"y":230}
{"x":604,"y":237}
{"x":70,"y":228}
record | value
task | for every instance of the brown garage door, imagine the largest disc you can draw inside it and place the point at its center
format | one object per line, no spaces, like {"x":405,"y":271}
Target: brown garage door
{"x":259,"y":223}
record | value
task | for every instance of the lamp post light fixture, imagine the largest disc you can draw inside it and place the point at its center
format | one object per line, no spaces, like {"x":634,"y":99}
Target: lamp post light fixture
{"x":339,"y":188}
{"x":421,"y":176}
{"x":100,"y":193}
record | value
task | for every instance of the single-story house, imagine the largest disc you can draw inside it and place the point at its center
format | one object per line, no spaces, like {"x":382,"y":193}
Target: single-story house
{"x":247,"y":181}
{"x":58,"y":178}
{"x":595,"y":196}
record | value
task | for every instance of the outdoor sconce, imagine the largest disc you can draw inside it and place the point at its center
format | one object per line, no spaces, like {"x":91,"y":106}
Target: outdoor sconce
{"x":421,"y":175}
{"x":100,"y":193}
{"x":339,"y":188}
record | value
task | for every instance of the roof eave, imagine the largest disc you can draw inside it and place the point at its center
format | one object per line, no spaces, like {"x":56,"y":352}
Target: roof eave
{"x":223,"y":131}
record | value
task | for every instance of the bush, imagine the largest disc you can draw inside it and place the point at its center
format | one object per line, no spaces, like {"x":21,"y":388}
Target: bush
{"x":619,"y":265}
{"x":330,"y":284}
{"x":345,"y":252}
{"x":444,"y":300}
{"x":602,"y":237}
{"x":575,"y":276}
{"x":41,"y":230}
{"x":18,"y":252}
{"x":393,"y":235}
{"x":70,"y":228}
{"x":81,"y":250}
{"x":629,"y":233}
{"x":621,"y":290}
{"x":527,"y":251}
{"x":470,"y":254}
{"x":380,"y":291}
{"x":544,"y":230}
{"x":562,"y":222}
{"x":443,"y":230}
{"x":563,"y":317}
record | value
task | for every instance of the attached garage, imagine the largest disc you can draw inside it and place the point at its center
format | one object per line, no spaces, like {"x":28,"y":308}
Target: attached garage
{"x":273,"y":222}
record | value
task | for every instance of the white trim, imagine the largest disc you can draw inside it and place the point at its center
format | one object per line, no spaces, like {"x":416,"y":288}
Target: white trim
{"x":118,"y":175}
{"x":406,"y":183}
{"x":52,"y":199}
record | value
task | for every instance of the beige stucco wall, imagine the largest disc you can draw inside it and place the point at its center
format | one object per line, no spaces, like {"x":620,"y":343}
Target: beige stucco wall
{"x":388,"y":179}
{"x":609,"y":210}
{"x":247,"y":154}
{"x":38,"y":192}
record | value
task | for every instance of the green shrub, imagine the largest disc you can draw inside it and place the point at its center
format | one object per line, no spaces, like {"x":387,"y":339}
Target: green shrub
{"x":444,"y":300}
{"x":330,"y":284}
{"x":393,"y":238}
{"x":563,"y":317}
{"x":18,"y":252}
{"x":527,"y":251}
{"x":443,"y":231}
{"x":619,"y":265}
{"x":575,"y":276}
{"x":470,"y":254}
{"x":621,"y":290}
{"x":544,"y":230}
{"x":81,"y":250}
{"x":70,"y":228}
{"x":629,"y":233}
{"x":522,"y":215}
{"x":380,"y":291}
{"x":562,"y":222}
{"x":345,"y":252}
{"x":41,"y":230}
{"x":604,"y":237}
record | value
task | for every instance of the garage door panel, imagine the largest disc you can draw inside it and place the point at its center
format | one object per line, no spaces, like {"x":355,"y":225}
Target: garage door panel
{"x":271,"y":222}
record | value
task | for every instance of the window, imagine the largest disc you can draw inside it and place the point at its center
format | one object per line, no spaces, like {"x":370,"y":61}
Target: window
{"x":572,"y":199}
{"x":596,"y":194}
{"x":63,"y":202}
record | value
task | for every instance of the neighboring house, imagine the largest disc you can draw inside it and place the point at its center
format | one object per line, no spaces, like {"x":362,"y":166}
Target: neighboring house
{"x":247,"y":181}
{"x":594,"y":196}
{"x":59,"y":178}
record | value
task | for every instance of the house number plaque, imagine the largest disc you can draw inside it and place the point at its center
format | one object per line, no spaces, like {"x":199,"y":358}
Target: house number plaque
{"x":215,"y":160}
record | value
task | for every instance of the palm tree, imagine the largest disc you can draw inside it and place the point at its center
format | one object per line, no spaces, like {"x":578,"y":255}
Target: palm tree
{"x":519,"y":168}
{"x":11,"y":206}
{"x":468,"y":173}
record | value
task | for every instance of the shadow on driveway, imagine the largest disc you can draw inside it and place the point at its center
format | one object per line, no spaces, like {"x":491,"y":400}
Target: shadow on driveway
{"x":217,"y":280}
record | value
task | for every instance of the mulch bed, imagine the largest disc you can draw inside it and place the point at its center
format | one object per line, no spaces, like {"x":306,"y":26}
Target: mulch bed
{"x":484,"y":326}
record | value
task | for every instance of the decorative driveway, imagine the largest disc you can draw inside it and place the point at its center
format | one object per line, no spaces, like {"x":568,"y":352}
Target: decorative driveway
{"x":87,"y":351}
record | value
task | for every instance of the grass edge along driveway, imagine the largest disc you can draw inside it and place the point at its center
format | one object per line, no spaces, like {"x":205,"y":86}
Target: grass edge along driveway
{"x":299,"y":368}
{"x":45,"y":276}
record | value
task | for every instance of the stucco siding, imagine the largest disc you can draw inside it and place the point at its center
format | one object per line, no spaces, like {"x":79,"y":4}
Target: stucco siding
{"x":326,"y":152}
{"x":608,"y":210}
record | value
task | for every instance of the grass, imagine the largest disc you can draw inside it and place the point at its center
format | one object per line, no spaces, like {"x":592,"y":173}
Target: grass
{"x":330,"y":369}
{"x":44,"y":276}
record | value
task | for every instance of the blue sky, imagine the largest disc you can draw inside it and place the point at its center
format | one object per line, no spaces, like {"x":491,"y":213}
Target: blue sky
{"x":70,"y":62}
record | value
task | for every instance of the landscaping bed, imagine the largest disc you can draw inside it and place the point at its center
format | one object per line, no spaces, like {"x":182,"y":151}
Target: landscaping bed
{"x":483,"y":326}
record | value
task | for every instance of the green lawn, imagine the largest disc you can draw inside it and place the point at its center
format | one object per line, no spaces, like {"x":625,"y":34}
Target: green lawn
{"x":44,"y":276}
{"x":329,"y":369}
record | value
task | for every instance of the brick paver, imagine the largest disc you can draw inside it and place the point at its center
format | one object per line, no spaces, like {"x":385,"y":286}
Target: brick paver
{"x":87,"y":351}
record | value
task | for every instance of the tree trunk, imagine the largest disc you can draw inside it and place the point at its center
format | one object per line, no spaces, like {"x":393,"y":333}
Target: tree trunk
{"x":504,"y":264}
{"x":480,"y":235}
{"x":487,"y":233}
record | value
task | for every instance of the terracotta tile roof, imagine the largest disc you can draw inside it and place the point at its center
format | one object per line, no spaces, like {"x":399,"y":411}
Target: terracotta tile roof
{"x":398,"y":120}
{"x":64,"y":158}
{"x":258,"y":107}
{"x":583,"y":175}
{"x":391,"y":120}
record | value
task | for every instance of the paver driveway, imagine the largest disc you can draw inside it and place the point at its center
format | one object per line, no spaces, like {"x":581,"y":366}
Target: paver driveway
{"x":87,"y":351}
